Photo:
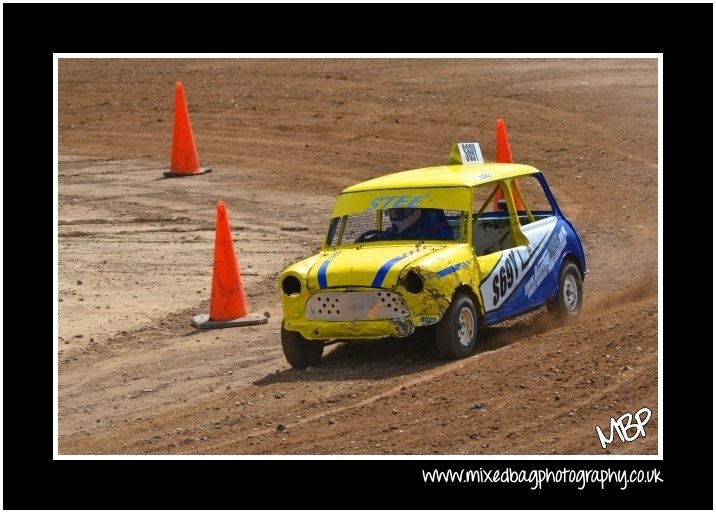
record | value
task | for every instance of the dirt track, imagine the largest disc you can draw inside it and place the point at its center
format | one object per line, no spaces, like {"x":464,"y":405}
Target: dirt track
{"x":284,"y":137}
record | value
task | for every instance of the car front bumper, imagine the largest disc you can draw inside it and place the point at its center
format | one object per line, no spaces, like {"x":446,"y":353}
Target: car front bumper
{"x":347,"y":330}
{"x":359,"y":313}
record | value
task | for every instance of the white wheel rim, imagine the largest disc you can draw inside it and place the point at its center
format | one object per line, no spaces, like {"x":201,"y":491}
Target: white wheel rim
{"x":465,"y":327}
{"x":570,"y":295}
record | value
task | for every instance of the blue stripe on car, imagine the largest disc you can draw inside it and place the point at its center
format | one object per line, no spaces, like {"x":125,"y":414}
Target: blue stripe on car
{"x":322,"y":279}
{"x":380,"y":275}
{"x":452,"y":269}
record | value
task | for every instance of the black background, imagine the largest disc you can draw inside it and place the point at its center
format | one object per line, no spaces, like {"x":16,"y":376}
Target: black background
{"x":33,"y":480}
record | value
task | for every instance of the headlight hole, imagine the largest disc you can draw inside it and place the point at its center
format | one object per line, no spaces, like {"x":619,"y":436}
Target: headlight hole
{"x":413,"y":283}
{"x":291,"y":285}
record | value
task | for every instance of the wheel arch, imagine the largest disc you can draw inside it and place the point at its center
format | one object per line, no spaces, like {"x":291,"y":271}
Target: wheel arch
{"x":467,"y":289}
{"x":572,"y":257}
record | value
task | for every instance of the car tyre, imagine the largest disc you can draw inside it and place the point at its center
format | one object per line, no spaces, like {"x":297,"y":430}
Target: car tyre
{"x":299,"y":351}
{"x":456,"y":334}
{"x":568,"y":304}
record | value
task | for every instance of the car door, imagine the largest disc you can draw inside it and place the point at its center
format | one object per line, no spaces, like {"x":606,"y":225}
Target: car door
{"x":510,"y":240}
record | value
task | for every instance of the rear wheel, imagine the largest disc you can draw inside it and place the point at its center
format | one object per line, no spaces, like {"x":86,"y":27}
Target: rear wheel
{"x":568,"y":304}
{"x":299,"y":351}
{"x":456,"y":333}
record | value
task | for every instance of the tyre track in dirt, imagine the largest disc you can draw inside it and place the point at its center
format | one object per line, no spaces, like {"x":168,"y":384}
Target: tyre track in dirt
{"x":342,"y":405}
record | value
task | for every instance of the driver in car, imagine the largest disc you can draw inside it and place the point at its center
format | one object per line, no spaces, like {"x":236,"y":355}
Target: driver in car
{"x":418,"y":223}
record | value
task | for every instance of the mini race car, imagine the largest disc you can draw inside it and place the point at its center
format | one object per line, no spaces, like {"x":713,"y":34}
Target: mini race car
{"x":446,"y":249}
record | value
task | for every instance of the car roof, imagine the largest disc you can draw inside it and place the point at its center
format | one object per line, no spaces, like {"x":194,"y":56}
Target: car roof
{"x":468,"y":175}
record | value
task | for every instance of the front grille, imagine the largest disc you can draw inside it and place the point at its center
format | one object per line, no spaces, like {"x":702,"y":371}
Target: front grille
{"x":368,"y":305}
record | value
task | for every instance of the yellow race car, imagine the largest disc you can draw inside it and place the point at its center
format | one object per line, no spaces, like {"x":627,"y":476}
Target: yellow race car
{"x":449,"y":248}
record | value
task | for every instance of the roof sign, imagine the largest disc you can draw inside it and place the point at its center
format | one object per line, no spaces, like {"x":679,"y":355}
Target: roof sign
{"x":465,"y":153}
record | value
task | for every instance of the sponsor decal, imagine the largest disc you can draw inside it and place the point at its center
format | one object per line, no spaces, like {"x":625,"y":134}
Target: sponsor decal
{"x":546,"y":262}
{"x":410,"y":201}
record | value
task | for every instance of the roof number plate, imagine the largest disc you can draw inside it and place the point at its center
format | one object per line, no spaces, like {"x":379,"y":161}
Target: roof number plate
{"x":470,"y":153}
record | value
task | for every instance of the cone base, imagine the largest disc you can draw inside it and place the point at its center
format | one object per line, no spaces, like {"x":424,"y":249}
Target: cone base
{"x":175,"y":174}
{"x":203,"y":322}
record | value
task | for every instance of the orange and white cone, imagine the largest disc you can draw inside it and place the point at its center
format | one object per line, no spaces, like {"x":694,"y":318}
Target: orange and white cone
{"x":184,"y":158}
{"x":228,"y":307}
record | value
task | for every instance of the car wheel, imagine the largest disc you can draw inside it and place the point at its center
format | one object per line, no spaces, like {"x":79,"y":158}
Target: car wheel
{"x":300,"y":352}
{"x":568,"y":304}
{"x":456,"y":333}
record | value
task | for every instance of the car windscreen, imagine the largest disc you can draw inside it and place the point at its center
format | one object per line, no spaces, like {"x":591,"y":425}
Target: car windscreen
{"x":398,"y":224}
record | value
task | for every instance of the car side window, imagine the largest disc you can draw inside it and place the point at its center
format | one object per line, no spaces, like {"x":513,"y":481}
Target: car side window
{"x":490,"y":220}
{"x":530,"y":200}
{"x":485,"y":200}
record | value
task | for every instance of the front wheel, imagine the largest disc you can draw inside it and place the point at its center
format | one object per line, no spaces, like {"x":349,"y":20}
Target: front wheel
{"x":300,"y":352}
{"x":456,"y":333}
{"x":569,"y":293}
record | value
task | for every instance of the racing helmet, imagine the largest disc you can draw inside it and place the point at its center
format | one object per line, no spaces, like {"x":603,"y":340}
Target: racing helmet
{"x":403,"y":218}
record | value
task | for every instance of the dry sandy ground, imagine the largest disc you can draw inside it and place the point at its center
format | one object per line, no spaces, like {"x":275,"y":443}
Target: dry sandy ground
{"x":284,"y":137}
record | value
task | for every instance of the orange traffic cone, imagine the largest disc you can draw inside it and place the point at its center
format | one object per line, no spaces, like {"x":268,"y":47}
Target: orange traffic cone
{"x":184,"y":159}
{"x":504,"y":155}
{"x":228,"y":302}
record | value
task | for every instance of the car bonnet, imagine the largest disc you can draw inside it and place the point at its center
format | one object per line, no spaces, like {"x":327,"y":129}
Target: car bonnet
{"x":366,"y":266}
